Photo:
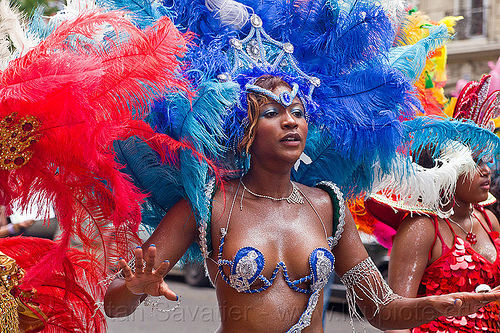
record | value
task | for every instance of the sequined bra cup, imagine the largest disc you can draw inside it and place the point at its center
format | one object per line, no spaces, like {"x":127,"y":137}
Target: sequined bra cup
{"x":248,"y":263}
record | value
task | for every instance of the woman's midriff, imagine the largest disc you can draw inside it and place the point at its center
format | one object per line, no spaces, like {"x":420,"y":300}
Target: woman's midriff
{"x":276,"y":309}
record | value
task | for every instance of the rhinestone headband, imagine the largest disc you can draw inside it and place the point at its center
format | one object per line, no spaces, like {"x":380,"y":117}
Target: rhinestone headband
{"x":285,"y":98}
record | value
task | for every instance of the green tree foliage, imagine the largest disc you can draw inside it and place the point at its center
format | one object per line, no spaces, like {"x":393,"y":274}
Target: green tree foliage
{"x":28,"y":6}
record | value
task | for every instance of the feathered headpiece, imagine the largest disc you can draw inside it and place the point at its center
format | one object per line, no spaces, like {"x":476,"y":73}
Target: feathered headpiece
{"x":453,"y":148}
{"x":477,"y":104}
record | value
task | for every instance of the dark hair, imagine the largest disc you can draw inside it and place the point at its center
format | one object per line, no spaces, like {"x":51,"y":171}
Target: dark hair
{"x":424,"y":156}
{"x":255,"y":100}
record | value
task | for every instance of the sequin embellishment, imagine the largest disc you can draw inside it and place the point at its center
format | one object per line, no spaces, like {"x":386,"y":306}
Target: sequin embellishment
{"x":247,"y":266}
{"x":462,"y":269}
{"x":16,"y":136}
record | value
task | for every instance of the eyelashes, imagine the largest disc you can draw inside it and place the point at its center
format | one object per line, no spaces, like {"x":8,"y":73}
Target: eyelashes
{"x":269,"y":112}
{"x":272,"y":112}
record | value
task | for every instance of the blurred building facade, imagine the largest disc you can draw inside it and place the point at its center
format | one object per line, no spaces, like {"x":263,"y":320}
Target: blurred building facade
{"x":476,"y":46}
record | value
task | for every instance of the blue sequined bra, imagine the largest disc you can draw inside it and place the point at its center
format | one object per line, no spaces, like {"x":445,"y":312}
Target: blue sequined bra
{"x":248,"y":264}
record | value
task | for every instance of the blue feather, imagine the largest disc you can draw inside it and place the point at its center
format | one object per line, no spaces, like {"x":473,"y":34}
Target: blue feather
{"x":38,"y":25}
{"x":165,"y":184}
{"x":145,"y":12}
{"x":363,"y":109}
{"x":162,"y":181}
{"x":200,"y":121}
{"x":327,"y":163}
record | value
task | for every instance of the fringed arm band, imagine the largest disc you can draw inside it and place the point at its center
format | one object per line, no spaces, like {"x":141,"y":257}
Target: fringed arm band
{"x":367,"y":278}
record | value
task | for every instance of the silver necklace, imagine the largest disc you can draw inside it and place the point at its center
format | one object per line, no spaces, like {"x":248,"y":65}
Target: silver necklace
{"x":469,"y":236}
{"x":295,"y":196}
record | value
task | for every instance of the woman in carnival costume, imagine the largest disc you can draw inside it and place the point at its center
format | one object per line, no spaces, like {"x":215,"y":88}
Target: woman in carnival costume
{"x":67,"y":91}
{"x":418,"y":51}
{"x":276,"y":231}
{"x":438,"y":212}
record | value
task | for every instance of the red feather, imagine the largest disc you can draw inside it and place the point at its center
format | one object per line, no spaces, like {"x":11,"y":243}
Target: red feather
{"x":86,"y":95}
{"x":69,"y":299}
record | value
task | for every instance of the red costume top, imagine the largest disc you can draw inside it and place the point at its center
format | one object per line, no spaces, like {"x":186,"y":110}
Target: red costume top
{"x":459,"y":269}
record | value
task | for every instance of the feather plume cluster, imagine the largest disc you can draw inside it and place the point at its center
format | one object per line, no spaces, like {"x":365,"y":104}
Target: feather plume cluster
{"x":477,"y":104}
{"x":428,"y":189}
{"x":15,"y":38}
{"x":67,"y":300}
{"x":424,"y":42}
{"x":361,"y":98}
{"x":88,"y":84}
{"x":453,"y":148}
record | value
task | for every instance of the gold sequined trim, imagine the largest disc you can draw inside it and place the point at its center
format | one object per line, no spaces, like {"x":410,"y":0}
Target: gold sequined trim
{"x":16,"y":136}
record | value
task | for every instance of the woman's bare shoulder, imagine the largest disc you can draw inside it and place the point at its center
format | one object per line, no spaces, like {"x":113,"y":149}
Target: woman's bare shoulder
{"x":223,"y":195}
{"x":318,"y":196}
{"x":494,"y":220}
{"x":419,"y":228}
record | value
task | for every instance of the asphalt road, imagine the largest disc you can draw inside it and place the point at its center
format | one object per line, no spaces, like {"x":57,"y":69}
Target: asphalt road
{"x":199,"y":313}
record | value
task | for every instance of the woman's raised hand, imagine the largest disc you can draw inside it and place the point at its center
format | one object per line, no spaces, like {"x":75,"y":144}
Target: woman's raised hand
{"x":147,"y":280}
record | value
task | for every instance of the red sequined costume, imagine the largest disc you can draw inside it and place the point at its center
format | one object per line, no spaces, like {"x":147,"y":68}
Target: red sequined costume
{"x":459,"y":269}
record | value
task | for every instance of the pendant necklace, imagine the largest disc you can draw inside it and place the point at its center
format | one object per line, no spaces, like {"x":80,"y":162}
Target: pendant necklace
{"x":470,"y":236}
{"x":295,"y":196}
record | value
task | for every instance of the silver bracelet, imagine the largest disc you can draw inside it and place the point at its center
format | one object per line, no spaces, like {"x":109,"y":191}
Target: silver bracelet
{"x":154,"y":304}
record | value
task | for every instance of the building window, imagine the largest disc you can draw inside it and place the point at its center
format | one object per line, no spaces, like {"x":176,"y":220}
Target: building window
{"x":474,"y":22}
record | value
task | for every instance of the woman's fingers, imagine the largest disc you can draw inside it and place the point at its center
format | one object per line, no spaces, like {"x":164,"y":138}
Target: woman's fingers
{"x":169,"y":294}
{"x":150,"y":259}
{"x":138,"y":261}
{"x":163,"y":268}
{"x":127,"y":272}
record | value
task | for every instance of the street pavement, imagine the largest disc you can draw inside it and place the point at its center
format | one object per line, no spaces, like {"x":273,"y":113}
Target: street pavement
{"x":199,"y":313}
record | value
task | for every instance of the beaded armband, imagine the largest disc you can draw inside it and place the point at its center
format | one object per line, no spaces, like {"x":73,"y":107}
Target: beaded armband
{"x":367,"y":278}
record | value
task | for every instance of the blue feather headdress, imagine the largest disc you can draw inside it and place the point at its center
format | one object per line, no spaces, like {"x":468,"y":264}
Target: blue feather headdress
{"x":336,"y":53}
{"x":354,"y":98}
{"x":451,"y":148}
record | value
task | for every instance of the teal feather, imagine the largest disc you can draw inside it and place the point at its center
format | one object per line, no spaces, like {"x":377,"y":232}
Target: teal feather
{"x":322,"y":161}
{"x":163,"y":182}
{"x":410,"y":59}
{"x":146,"y":12}
{"x":199,"y":121}
{"x":439,"y":132}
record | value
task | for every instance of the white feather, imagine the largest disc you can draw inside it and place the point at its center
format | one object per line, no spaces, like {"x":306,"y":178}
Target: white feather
{"x":230,"y":12}
{"x":427,"y":188}
{"x":395,"y":10}
{"x":71,"y":10}
{"x":10,"y":25}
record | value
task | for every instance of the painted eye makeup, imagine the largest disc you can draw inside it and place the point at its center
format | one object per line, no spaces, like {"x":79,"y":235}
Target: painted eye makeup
{"x":297,"y":112}
{"x":268,"y":112}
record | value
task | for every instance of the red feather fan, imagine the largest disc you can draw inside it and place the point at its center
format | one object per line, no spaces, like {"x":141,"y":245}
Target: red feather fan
{"x":67,"y":300}
{"x":66,"y":101}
